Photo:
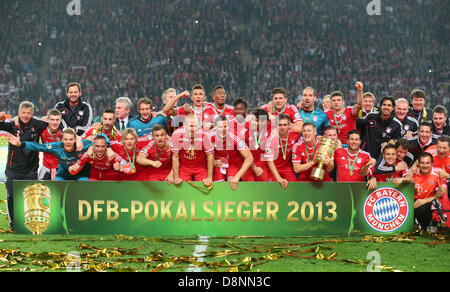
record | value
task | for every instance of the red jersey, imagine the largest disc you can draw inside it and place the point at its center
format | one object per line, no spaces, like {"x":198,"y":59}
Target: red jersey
{"x":387,"y":177}
{"x":281,"y":154}
{"x":144,"y":140}
{"x":303,"y":154}
{"x":113,"y":135}
{"x":119,"y":149}
{"x":289,"y":109}
{"x":425,"y":185}
{"x":228,"y":151}
{"x":50,"y":160}
{"x":163,"y":155}
{"x":205,"y":115}
{"x":225,"y":111}
{"x":344,"y":122}
{"x":343,"y":160}
{"x":236,"y":125}
{"x":192,"y":150}
{"x":438,"y":162}
{"x":257,"y":141}
{"x":438,"y":165}
{"x":101,"y":168}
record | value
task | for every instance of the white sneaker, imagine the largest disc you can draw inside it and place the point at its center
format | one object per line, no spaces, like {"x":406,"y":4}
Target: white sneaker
{"x":432,"y":229}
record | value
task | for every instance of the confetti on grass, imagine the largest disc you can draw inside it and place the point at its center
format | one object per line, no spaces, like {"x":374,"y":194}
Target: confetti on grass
{"x":228,"y":256}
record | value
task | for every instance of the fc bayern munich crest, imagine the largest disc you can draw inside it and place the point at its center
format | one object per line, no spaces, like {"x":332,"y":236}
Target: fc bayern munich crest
{"x":386,"y":209}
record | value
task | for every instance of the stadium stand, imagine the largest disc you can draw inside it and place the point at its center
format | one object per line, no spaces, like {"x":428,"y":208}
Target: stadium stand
{"x":140,"y":48}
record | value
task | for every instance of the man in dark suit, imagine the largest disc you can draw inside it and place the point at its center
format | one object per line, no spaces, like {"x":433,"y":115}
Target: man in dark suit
{"x":122,"y":109}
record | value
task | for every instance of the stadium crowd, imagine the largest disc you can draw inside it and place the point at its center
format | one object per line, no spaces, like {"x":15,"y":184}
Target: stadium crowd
{"x":385,"y":80}
{"x":212,"y":141}
{"x":115,"y":49}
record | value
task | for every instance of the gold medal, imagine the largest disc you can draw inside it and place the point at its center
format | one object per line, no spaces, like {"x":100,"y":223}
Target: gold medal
{"x":284,"y":147}
{"x":351,"y":165}
{"x":132,"y":168}
{"x":257,"y":140}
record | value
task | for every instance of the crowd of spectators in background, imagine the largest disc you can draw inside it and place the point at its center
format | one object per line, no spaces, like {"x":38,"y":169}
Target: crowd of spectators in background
{"x":140,"y":48}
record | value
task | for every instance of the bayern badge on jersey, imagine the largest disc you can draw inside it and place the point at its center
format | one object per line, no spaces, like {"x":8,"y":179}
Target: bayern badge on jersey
{"x":386,"y":209}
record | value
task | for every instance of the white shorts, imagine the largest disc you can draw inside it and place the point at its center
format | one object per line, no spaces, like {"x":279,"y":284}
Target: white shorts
{"x":46,"y":173}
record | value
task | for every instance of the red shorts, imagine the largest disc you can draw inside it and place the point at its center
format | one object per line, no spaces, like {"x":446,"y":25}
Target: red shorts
{"x":138,"y":175}
{"x":219,"y":176}
{"x":158,"y":175}
{"x":289,"y":175}
{"x":104,"y":175}
{"x":193,"y":174}
{"x":131,"y":177}
{"x":249,"y":175}
{"x":265,"y":175}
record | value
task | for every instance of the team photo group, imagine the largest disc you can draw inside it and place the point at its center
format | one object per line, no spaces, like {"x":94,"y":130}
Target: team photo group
{"x":207,"y":136}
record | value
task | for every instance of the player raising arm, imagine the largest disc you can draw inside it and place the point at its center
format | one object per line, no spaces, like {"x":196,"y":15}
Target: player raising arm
{"x":344,"y":118}
{"x":279,"y":105}
{"x":66,"y":151}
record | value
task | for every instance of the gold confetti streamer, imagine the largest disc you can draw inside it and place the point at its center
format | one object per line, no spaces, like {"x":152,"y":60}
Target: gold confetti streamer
{"x":227,"y":256}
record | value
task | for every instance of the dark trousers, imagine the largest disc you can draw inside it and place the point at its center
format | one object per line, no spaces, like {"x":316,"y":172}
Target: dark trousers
{"x":12,"y":175}
{"x":423,"y":215}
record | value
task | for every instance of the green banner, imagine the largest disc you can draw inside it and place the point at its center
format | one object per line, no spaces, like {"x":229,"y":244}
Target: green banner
{"x":256,"y":208}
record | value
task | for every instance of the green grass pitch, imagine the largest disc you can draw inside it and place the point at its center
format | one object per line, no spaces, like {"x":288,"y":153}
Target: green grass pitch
{"x":408,"y":252}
